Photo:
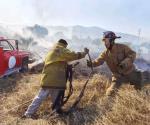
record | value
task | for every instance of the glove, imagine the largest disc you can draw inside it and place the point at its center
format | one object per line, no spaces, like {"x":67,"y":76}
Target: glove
{"x":86,"y":50}
{"x":89,"y":64}
{"x":123,"y":65}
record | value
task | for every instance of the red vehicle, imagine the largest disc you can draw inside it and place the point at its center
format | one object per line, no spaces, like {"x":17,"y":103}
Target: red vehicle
{"x":11,"y":58}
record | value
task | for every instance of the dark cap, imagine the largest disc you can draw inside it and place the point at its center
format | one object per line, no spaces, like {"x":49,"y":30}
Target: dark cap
{"x":63,"y":41}
{"x":110,"y":34}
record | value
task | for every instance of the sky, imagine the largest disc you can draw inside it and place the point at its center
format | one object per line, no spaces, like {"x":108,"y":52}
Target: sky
{"x":127,"y":16}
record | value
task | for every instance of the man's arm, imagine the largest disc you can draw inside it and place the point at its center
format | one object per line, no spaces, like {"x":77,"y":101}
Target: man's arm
{"x":100,"y":60}
{"x":71,"y":55}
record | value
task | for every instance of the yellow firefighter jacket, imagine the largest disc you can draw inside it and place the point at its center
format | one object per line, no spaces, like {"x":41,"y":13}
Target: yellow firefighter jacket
{"x":54,"y":71}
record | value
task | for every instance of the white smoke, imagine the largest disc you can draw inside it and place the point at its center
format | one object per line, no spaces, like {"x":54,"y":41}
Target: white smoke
{"x":40,"y":39}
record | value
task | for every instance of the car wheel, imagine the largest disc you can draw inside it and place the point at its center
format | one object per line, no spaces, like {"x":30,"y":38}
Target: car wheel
{"x":24,"y":67}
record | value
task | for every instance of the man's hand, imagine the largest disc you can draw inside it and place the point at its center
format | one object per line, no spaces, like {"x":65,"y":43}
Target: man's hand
{"x":89,"y":63}
{"x":123,"y":65}
{"x":86,"y":50}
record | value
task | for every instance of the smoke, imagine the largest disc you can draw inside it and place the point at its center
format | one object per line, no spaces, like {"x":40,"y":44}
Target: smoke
{"x":41,"y":10}
{"x":34,"y":38}
{"x":57,"y":12}
{"x":40,"y":39}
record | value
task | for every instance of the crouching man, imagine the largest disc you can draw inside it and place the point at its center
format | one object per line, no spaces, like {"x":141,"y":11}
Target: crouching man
{"x":53,"y":81}
{"x":119,"y":59}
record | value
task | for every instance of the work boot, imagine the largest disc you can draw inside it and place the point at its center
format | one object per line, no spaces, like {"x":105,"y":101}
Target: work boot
{"x":60,"y":111}
{"x":30,"y":116}
{"x":145,"y":77}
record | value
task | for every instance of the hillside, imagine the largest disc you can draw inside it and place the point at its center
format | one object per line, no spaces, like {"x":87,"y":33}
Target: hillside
{"x":37,"y":38}
{"x":128,"y":108}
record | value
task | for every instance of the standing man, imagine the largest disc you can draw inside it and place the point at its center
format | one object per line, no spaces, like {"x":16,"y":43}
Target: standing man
{"x":119,"y":59}
{"x":53,"y":81}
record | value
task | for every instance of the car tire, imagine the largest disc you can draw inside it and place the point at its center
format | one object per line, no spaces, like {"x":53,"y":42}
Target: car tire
{"x":24,"y":67}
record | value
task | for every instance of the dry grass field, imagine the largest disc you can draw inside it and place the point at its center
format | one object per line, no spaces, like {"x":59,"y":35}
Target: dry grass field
{"x":128,"y":107}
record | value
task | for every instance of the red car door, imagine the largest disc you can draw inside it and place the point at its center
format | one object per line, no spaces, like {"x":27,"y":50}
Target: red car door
{"x":10,"y":57}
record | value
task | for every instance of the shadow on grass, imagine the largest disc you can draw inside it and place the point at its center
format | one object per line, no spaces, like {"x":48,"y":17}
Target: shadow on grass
{"x":81,"y":116}
{"x":7,"y":84}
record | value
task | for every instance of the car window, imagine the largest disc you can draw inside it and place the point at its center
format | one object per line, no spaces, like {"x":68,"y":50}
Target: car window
{"x":5,"y":45}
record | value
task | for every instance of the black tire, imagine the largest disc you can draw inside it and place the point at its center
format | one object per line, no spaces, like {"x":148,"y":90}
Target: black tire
{"x":24,"y":67}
